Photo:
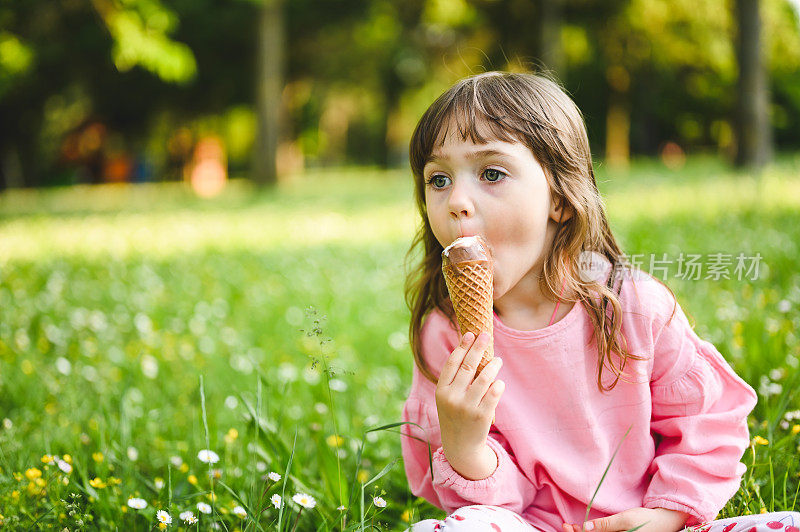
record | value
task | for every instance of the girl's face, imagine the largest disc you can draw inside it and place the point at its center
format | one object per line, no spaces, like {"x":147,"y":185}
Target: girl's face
{"x":499,"y":191}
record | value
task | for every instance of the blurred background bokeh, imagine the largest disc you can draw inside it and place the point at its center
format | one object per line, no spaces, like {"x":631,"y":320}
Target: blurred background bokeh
{"x":220,"y":190}
{"x":96,"y":91}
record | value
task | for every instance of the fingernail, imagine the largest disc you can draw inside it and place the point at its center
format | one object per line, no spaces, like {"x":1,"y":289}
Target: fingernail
{"x":588,"y":525}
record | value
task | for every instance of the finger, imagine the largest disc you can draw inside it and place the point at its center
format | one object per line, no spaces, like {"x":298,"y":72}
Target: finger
{"x":466,"y":372}
{"x":454,"y":360}
{"x":492,"y":397}
{"x":612,"y":523}
{"x":485,"y":378}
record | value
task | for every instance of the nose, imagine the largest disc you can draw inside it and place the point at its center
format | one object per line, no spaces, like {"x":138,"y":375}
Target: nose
{"x":460,"y":202}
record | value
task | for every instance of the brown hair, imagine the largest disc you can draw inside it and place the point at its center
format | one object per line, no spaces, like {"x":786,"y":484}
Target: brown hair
{"x":533,"y":110}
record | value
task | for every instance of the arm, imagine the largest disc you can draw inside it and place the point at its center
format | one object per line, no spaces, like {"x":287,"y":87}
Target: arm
{"x":480,"y":477}
{"x":444,"y":487}
{"x":700,"y":409}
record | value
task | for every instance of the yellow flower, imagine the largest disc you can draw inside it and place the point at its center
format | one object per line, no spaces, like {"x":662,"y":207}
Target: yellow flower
{"x":192,"y":480}
{"x":212,"y":497}
{"x":758,"y":440}
{"x":763,"y":510}
{"x":67,"y":458}
{"x":795,"y":429}
{"x":162,"y":526}
{"x":40,"y":482}
{"x":124,"y":509}
{"x":34,"y":489}
{"x":18,"y":476}
{"x":363,"y":476}
{"x":15,"y":494}
{"x":231,"y":436}
{"x":97,"y":457}
{"x":97,"y":483}
{"x":33,"y":473}
{"x":183,"y":468}
{"x":114,"y":481}
{"x":406,"y":516}
{"x":47,"y":459}
{"x":334,"y":440}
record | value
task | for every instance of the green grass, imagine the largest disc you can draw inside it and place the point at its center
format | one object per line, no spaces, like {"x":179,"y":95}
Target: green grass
{"x":116,"y":301}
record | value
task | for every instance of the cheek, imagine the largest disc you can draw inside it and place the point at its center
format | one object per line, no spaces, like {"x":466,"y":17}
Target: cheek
{"x":437,"y":224}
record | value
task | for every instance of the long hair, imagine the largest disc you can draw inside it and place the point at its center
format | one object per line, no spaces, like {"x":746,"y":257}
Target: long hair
{"x":533,"y":110}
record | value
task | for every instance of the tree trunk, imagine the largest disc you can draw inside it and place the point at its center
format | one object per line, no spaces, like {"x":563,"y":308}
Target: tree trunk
{"x":269,"y":87}
{"x":753,"y":133}
{"x":548,"y":30}
{"x":618,"y":117}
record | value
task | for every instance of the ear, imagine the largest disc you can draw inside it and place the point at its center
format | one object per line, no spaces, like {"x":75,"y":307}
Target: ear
{"x":560,"y":211}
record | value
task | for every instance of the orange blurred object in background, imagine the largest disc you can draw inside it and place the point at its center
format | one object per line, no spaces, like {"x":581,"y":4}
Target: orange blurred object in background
{"x":209,"y":168}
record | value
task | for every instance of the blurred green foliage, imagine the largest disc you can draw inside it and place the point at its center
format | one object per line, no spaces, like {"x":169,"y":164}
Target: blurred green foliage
{"x":358,"y":74}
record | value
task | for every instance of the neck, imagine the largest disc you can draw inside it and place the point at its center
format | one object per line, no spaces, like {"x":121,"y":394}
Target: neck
{"x":525,"y":298}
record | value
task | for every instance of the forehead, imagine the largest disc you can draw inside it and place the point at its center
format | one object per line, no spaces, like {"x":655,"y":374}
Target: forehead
{"x":470,"y":150}
{"x":474,"y":136}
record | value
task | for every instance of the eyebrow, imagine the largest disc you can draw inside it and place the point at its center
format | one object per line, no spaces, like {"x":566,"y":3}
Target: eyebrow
{"x":472,"y":155}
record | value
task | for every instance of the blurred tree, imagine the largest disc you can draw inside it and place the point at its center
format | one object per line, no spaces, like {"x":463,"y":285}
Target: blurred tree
{"x":59,"y":64}
{"x":529,"y":33}
{"x":357,"y":74}
{"x":753,"y":131}
{"x":269,"y":90}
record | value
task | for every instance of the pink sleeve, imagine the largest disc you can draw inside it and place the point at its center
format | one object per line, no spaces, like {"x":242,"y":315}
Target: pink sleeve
{"x":443,"y":486}
{"x":700,"y":409}
{"x":446,"y":488}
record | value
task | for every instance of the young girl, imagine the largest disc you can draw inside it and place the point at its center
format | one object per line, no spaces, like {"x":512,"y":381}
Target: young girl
{"x":594,"y":357}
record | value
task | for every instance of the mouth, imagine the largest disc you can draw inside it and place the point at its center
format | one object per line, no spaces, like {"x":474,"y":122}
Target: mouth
{"x":470,"y":235}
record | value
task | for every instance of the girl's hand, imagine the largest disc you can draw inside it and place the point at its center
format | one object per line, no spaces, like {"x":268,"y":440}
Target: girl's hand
{"x":653,"y":519}
{"x":466,"y":407}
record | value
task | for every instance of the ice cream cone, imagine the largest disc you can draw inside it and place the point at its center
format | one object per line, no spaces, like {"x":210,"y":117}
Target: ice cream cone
{"x":468,"y":272}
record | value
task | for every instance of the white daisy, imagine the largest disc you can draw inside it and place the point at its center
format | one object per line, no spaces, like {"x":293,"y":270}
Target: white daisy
{"x":305,"y":500}
{"x":137,"y":503}
{"x":238,"y":510}
{"x":65,"y":467}
{"x":188,"y":517}
{"x":379,"y":502}
{"x":208,"y":456}
{"x":203,"y":508}
{"x":274,"y":477}
{"x":133,"y":454}
{"x":164,"y":517}
{"x":276,"y":501}
{"x":176,"y":461}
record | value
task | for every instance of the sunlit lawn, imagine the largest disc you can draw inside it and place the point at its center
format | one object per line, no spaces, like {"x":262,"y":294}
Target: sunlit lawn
{"x":288,"y":304}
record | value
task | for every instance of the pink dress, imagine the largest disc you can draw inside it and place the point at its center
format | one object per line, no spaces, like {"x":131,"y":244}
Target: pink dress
{"x":555,"y":432}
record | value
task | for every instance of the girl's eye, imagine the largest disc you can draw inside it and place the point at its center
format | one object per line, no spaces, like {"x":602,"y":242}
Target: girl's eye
{"x":438,"y":181}
{"x":493,"y":175}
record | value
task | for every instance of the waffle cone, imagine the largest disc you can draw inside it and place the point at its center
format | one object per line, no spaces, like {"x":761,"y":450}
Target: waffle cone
{"x":470,"y":284}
